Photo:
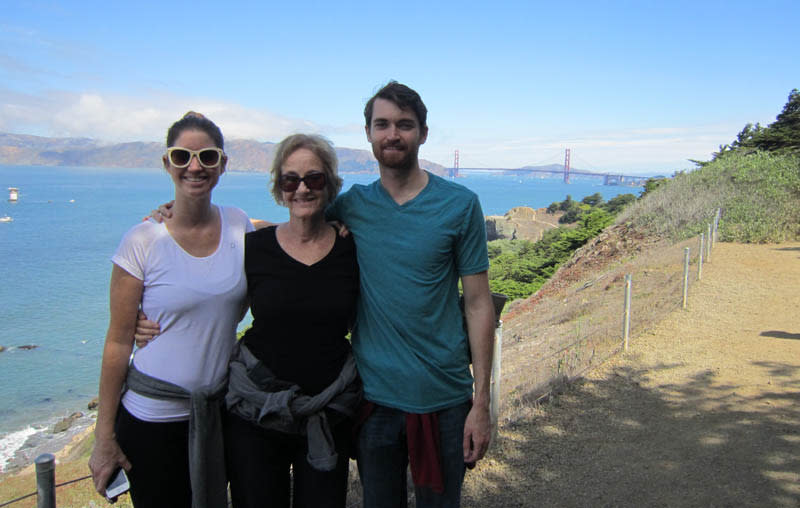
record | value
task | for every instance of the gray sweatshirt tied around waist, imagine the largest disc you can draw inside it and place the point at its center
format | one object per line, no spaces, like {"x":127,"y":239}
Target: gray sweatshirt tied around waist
{"x":206,"y":452}
{"x":256,"y":395}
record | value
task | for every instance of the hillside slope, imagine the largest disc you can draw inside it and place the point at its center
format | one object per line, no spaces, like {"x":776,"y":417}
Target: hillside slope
{"x":702,"y":411}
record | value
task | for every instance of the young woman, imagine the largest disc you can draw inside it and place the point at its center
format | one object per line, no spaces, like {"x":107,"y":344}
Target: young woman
{"x":187,"y":274}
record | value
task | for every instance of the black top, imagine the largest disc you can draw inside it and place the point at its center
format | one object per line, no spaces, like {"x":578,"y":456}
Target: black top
{"x":300,"y":313}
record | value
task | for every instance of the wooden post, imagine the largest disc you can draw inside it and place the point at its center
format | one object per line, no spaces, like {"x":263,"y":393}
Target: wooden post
{"x":716,"y":225}
{"x":700,"y":260}
{"x":626,"y":324}
{"x":497,"y":362}
{"x":685,"y":275}
{"x":708,"y":244}
{"x":46,"y":480}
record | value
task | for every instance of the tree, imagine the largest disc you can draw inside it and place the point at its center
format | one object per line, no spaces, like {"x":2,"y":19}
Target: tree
{"x":652,"y":184}
{"x":570,"y":216}
{"x":782,"y":135}
{"x":595,"y":199}
{"x":617,"y":203}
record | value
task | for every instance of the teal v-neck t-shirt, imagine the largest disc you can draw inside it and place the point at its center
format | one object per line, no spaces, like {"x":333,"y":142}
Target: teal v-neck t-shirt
{"x":409,"y":339}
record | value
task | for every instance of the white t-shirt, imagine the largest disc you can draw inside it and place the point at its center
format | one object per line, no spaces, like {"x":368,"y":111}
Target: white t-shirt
{"x":196,"y":301}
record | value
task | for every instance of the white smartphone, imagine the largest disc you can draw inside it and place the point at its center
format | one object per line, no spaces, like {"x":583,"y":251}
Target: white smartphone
{"x":119,"y":484}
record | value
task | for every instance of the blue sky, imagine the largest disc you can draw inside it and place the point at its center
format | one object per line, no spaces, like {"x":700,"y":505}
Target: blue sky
{"x":633,"y":86}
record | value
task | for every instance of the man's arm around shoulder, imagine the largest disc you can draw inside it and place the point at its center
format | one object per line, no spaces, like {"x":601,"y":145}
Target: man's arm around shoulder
{"x":479,"y":312}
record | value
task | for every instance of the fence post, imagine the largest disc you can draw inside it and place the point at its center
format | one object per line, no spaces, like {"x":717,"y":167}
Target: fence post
{"x":716,"y":224}
{"x":685,"y":275}
{"x":46,"y":480}
{"x":700,"y":259}
{"x":626,"y":324}
{"x":708,"y":243}
{"x":494,"y":396}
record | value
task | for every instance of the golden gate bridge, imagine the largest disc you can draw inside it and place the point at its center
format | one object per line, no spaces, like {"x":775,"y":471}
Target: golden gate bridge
{"x":565,"y":170}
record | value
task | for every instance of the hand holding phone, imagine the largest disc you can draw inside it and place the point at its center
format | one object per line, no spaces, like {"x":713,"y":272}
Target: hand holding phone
{"x":117,"y":485}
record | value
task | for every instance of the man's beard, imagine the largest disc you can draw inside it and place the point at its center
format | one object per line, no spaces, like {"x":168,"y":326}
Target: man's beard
{"x":403,"y":160}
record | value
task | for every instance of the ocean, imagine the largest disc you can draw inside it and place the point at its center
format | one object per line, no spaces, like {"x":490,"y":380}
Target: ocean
{"x":55,"y":267}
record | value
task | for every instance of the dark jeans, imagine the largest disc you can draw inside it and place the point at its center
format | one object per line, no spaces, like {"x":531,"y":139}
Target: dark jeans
{"x":382,"y":455}
{"x":159,"y":456}
{"x":258,"y":462}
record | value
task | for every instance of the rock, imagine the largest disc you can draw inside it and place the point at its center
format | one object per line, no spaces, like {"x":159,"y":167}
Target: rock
{"x":93,"y":404}
{"x":28,"y":347}
{"x":522,"y":213}
{"x":521,"y":223}
{"x":2,"y":348}
{"x":66,"y":423}
{"x":498,"y":228}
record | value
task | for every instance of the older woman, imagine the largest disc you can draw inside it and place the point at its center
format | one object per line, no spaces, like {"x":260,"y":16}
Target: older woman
{"x":187,"y":274}
{"x":302,"y":283}
{"x":293,"y":384}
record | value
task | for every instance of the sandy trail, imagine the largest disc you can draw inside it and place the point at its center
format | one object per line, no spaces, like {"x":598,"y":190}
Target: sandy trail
{"x":704,"y":409}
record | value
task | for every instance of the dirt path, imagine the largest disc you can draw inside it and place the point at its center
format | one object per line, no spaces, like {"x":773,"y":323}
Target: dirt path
{"x":704,"y":410}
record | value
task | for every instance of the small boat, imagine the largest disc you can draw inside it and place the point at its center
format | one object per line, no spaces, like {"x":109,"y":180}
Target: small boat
{"x":13,"y":193}
{"x":6,"y":219}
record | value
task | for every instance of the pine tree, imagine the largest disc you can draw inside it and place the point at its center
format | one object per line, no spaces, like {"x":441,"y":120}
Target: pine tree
{"x":783,"y":135}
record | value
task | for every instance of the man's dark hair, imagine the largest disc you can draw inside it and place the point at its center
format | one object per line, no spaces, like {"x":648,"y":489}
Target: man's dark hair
{"x":197,"y":122}
{"x":403,"y":97}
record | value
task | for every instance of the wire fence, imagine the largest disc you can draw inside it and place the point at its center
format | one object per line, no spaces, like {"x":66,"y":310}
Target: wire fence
{"x":545,"y":348}
{"x":45,"y":483}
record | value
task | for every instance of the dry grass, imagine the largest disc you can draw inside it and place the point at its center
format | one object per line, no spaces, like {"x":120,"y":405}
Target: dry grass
{"x":702,"y":411}
{"x":581,"y":324}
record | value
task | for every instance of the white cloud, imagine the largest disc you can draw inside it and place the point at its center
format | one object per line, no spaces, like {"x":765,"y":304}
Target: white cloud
{"x":119,"y":118}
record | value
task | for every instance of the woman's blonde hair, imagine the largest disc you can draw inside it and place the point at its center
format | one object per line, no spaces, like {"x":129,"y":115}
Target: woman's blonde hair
{"x":320,"y":147}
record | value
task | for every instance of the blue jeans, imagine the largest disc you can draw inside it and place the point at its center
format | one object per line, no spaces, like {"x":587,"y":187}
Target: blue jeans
{"x":382,"y":455}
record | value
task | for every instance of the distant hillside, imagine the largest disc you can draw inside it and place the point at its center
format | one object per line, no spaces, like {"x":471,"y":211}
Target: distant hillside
{"x":244,"y":155}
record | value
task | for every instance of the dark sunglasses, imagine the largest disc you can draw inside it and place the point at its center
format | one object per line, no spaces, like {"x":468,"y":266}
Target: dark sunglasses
{"x":182,"y":157}
{"x":314,"y":181}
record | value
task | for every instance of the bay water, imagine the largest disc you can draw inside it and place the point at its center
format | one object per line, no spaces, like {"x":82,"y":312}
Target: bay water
{"x":55,"y":266}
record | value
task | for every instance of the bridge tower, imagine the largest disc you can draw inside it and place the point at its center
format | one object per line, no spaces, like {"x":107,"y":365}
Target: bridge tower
{"x":454,"y":173}
{"x":566,"y":166}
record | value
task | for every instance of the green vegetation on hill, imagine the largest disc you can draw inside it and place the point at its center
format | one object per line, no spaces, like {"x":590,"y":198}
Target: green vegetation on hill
{"x":574,"y":210}
{"x":758,"y":194}
{"x":519,"y":267}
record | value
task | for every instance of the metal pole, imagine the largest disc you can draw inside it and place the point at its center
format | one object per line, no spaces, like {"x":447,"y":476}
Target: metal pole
{"x":685,"y":275}
{"x":708,"y":244}
{"x":626,"y":326}
{"x":46,"y":480}
{"x":700,"y":260}
{"x":497,"y":361}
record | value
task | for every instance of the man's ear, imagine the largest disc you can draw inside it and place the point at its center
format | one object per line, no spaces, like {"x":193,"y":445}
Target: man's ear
{"x":366,"y":129}
{"x":164,"y":161}
{"x":423,"y":135}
